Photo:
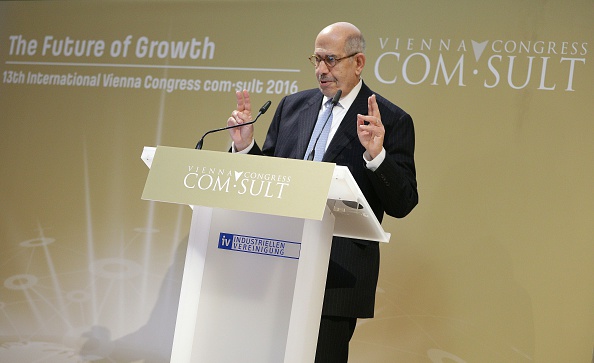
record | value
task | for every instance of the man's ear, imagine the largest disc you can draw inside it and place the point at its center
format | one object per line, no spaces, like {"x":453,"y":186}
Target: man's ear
{"x":360,"y":59}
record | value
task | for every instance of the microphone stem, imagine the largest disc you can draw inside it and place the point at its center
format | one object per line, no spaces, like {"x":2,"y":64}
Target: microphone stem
{"x":201,"y":141}
{"x":263,"y":110}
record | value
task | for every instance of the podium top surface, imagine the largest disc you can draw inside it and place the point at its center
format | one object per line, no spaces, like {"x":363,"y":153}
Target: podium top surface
{"x":248,"y":183}
{"x":335,"y":187}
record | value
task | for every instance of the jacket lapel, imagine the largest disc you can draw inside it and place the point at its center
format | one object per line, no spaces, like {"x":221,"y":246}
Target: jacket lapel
{"x":347,"y":131}
{"x":308,"y":121}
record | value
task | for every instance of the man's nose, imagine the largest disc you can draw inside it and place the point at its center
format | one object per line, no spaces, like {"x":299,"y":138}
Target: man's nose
{"x":323,"y":68}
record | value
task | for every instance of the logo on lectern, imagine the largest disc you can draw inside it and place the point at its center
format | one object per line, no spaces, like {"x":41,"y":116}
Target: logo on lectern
{"x":259,"y":245}
{"x":241,"y":182}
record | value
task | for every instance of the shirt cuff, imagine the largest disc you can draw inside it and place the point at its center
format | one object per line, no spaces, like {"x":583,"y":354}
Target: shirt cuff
{"x":373,"y":164}
{"x":244,"y":151}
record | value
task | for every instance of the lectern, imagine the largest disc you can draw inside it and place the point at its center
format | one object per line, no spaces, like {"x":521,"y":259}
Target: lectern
{"x":258,"y":249}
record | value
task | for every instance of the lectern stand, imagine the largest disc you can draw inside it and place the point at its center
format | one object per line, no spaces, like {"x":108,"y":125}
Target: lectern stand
{"x":258,"y":250}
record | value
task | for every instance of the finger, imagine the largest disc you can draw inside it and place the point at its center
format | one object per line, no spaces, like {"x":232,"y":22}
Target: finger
{"x":239,"y":117}
{"x":364,"y":126}
{"x":243,"y":101}
{"x":360,"y":120}
{"x":240,"y":101}
{"x":372,"y":107}
{"x":247,"y":104}
{"x":365,"y":123}
{"x":231,"y":121}
{"x":369,"y":120}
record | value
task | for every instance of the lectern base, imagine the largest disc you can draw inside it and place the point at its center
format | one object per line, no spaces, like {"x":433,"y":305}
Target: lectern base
{"x":252,"y":288}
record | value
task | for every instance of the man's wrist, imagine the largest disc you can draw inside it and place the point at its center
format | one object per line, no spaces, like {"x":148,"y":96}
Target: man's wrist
{"x":245,"y":150}
{"x":374,"y":163}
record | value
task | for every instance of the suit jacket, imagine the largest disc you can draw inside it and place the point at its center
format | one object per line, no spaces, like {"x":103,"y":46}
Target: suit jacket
{"x":392,"y":188}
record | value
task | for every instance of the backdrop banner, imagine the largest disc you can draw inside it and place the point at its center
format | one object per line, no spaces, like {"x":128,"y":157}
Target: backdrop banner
{"x":493,"y":265}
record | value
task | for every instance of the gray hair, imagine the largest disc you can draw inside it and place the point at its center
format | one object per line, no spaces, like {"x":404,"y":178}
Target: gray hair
{"x":355,"y":44}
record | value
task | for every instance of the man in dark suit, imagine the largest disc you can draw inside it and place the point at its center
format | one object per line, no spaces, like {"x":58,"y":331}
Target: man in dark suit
{"x":371,"y":136}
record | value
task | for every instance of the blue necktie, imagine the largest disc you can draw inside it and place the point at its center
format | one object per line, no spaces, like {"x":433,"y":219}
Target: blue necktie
{"x":319,"y":134}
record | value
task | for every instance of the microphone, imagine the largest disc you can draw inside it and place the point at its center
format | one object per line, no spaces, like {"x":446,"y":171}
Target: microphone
{"x":334,"y":102}
{"x":262,"y":111}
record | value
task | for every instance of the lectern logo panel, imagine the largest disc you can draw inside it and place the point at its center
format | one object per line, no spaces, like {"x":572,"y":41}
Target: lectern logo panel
{"x":259,"y":245}
{"x":247,"y":183}
{"x":254,"y":184}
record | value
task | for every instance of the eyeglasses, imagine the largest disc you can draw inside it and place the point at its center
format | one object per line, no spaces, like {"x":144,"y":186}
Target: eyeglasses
{"x":330,"y":60}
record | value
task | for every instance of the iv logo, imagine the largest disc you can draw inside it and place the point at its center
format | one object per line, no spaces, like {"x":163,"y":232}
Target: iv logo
{"x":225,"y":241}
{"x":259,"y":245}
